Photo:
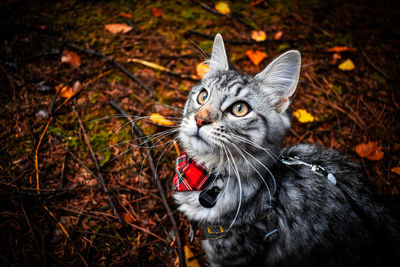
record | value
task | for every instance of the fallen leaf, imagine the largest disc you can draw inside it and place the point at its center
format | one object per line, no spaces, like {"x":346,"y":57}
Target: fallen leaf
{"x":335,"y":58}
{"x":191,"y":261}
{"x":258,"y":36}
{"x":125,"y":15}
{"x":370,"y":150}
{"x":156,"y":12}
{"x":278,"y":35}
{"x":303,"y":116}
{"x":68,"y":91}
{"x":202,"y":69}
{"x":256,"y":56}
{"x":396,"y":170}
{"x":71,"y":58}
{"x":223,"y":8}
{"x":116,"y":28}
{"x":256,"y":2}
{"x":128,"y":218}
{"x":159,"y":119}
{"x":339,"y":49}
{"x":346,"y":65}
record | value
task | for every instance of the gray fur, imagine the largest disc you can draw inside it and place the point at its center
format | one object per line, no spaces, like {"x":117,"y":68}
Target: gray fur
{"x":319,"y":223}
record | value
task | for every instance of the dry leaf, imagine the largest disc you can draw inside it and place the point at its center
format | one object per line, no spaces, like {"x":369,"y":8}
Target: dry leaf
{"x":117,"y":28}
{"x":278,"y":35}
{"x":370,"y":150}
{"x":223,"y":8}
{"x":256,"y":2}
{"x":190,"y":260}
{"x":67,"y":91}
{"x":156,"y":12}
{"x":202,"y":69}
{"x":128,"y":218}
{"x":258,"y":36}
{"x":71,"y":58}
{"x":125,"y":15}
{"x":303,"y":116}
{"x":159,"y":119}
{"x":339,"y":49}
{"x":335,"y":58}
{"x":346,"y":65}
{"x":396,"y":170}
{"x":256,"y":56}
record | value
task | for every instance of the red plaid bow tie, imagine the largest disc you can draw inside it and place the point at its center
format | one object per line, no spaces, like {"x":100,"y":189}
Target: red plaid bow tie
{"x":189,"y":176}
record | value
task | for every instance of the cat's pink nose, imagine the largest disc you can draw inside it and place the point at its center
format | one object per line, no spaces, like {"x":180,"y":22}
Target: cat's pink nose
{"x":201,"y":121}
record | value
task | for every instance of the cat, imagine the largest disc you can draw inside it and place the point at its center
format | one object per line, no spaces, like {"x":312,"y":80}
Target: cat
{"x":259,"y":204}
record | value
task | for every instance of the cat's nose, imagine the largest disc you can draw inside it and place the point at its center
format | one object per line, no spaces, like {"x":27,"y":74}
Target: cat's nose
{"x":201,"y":121}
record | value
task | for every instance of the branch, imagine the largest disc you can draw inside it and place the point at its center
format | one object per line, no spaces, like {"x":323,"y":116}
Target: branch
{"x":182,"y":261}
{"x":122,"y":68}
{"x":99,"y":176}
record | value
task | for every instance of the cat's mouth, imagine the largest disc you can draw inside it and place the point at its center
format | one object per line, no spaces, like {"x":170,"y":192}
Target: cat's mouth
{"x":199,"y":143}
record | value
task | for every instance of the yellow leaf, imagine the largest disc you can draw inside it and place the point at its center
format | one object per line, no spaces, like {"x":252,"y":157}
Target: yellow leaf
{"x":346,"y":65}
{"x":190,"y":260}
{"x":396,"y":170}
{"x":117,"y":28}
{"x":256,"y":56}
{"x":223,"y":8}
{"x":258,"y":36}
{"x":159,"y":119}
{"x":202,"y":69}
{"x":303,"y":116}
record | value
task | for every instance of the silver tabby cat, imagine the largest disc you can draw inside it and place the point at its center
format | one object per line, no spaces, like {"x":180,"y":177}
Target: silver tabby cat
{"x":234,"y":124}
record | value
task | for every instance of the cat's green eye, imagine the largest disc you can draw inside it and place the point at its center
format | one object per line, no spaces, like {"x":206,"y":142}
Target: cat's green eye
{"x":240,"y":109}
{"x":202,"y":97}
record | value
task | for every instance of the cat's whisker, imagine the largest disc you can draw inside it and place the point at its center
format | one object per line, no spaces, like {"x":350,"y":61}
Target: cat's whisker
{"x":240,"y":188}
{"x":197,"y":48}
{"x":180,"y":110}
{"x":255,"y":169}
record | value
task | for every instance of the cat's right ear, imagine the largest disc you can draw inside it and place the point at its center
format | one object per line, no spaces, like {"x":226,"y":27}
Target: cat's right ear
{"x":219,"y":59}
{"x":282,"y":76}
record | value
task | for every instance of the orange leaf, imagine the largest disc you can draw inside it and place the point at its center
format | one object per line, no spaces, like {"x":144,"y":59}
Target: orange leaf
{"x":278,"y":35}
{"x":116,"y":28}
{"x":256,"y":2}
{"x":67,"y":91}
{"x":258,"y":36}
{"x":370,"y":150}
{"x":71,"y":58}
{"x":128,"y":218}
{"x":159,"y":119}
{"x":339,"y":49}
{"x":202,"y":69}
{"x":256,"y":56}
{"x":156,"y":12}
{"x":125,"y":15}
{"x":396,"y":170}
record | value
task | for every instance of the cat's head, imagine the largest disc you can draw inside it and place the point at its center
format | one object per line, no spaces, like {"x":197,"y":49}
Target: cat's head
{"x":229,"y":112}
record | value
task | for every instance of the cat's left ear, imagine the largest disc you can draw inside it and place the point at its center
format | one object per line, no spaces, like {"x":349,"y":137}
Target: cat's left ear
{"x":219,"y":59}
{"x":282,"y":76}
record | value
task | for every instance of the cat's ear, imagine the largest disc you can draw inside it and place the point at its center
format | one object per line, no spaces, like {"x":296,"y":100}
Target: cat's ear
{"x":219,"y":59}
{"x":282,"y":75}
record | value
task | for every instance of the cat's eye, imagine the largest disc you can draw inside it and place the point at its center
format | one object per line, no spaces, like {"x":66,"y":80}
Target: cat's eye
{"x":240,"y":109}
{"x":202,"y":97}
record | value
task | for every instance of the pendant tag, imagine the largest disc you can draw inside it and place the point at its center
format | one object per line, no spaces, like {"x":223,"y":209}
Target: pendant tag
{"x":208,"y":197}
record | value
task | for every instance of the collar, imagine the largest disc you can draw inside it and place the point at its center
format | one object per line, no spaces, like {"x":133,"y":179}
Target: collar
{"x":189,"y":175}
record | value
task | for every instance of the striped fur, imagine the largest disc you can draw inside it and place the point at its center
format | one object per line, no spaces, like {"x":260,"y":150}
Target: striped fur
{"x":319,"y":224}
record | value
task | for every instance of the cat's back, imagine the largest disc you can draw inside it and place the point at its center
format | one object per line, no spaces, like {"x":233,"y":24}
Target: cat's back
{"x":331,"y":221}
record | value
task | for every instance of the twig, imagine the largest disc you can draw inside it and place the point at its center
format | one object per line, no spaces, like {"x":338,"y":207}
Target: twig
{"x":99,"y":176}
{"x":246,"y":42}
{"x":182,"y":261}
{"x":122,"y":68}
{"x":373,"y":65}
{"x":164,"y":69}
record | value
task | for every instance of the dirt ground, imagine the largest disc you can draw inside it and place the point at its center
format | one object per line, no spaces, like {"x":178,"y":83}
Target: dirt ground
{"x":76,"y":188}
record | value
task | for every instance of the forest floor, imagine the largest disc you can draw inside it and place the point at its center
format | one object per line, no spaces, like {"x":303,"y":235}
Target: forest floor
{"x":55,"y":208}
